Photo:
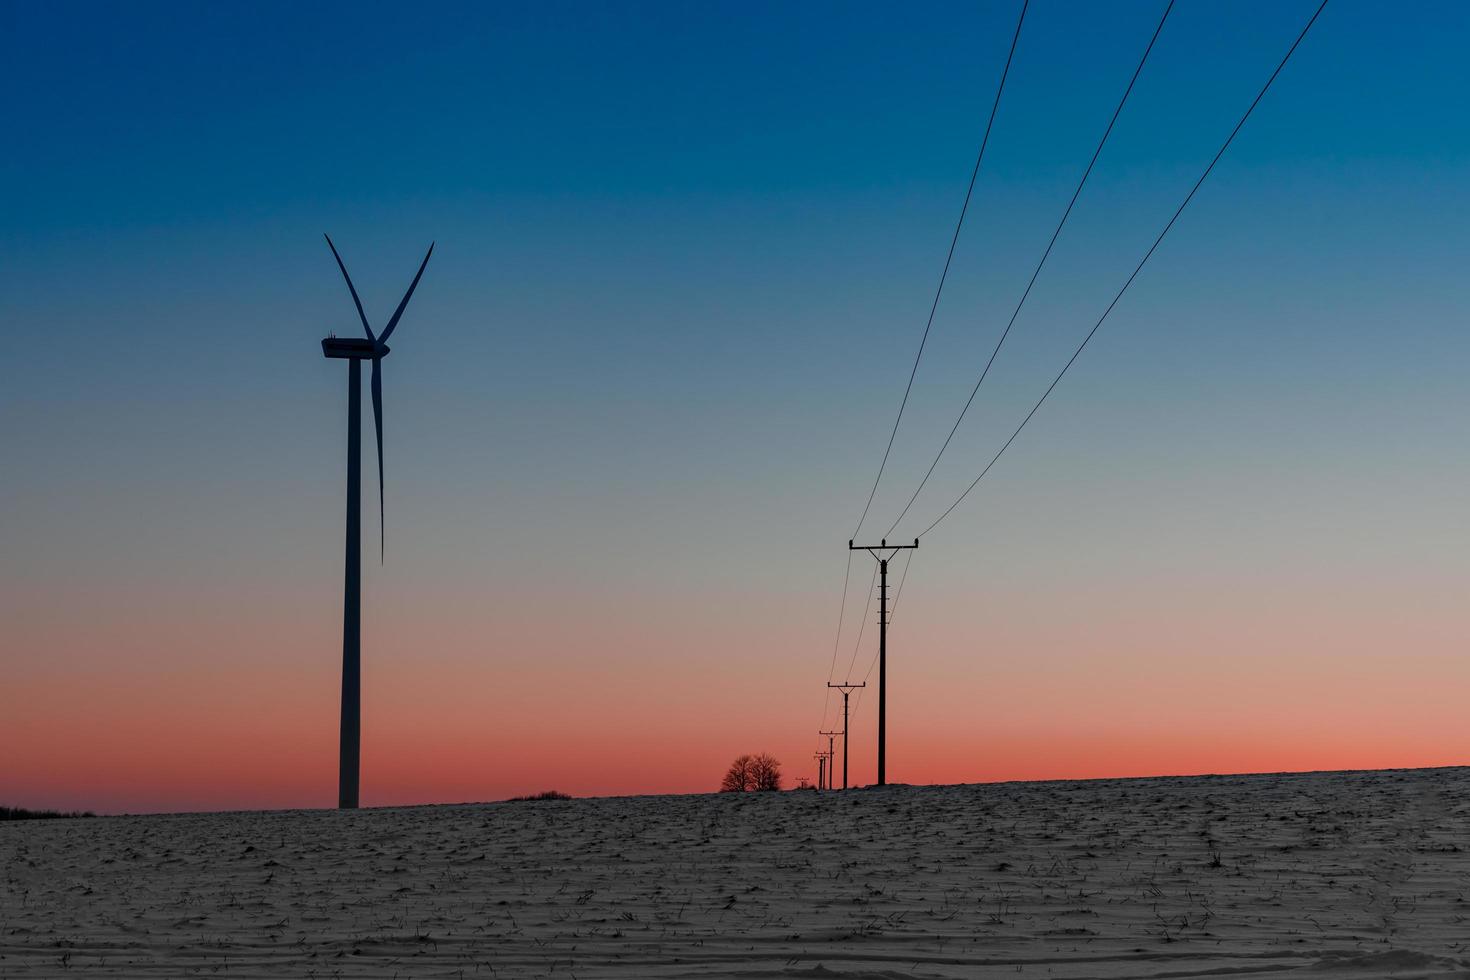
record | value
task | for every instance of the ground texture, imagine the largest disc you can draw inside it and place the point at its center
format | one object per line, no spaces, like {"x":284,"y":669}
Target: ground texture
{"x":1310,"y":876}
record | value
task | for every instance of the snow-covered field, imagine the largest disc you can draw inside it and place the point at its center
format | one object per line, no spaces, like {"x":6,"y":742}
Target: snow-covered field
{"x":1318,"y":876}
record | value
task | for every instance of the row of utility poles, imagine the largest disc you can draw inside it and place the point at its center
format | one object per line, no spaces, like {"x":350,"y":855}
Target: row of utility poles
{"x":882,"y":553}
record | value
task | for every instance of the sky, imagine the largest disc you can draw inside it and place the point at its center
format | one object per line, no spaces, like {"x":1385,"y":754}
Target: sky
{"x":684,"y":258}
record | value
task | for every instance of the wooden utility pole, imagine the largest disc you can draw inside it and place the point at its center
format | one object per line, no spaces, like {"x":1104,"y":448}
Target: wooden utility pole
{"x":846,"y":689}
{"x":877,"y":552}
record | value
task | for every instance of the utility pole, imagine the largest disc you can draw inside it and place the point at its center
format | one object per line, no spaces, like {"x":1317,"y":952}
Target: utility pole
{"x":846,"y":689}
{"x":882,"y":642}
{"x":821,"y":769}
{"x":831,"y":760}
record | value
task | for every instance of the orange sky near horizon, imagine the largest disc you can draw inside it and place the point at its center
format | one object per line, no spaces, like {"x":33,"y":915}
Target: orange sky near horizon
{"x":233,"y":727}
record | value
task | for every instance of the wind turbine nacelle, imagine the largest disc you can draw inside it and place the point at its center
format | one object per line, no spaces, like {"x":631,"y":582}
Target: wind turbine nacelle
{"x":353,"y":348}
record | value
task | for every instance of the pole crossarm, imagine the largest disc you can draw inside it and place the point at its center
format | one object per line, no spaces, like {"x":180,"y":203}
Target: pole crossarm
{"x":883,"y":545}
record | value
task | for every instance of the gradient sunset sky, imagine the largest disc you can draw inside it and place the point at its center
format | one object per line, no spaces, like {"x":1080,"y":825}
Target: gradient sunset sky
{"x":685,"y":253}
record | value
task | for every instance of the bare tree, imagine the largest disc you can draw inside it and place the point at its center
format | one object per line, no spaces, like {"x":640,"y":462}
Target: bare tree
{"x":765,"y":773}
{"x":752,"y":773}
{"x":738,"y":778}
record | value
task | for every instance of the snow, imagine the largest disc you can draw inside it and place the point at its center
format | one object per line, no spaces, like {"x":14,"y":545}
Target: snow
{"x":1324,"y":875}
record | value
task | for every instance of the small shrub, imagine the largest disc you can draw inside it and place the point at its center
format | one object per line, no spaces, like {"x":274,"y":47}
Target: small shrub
{"x":16,"y":813}
{"x":549,"y":794}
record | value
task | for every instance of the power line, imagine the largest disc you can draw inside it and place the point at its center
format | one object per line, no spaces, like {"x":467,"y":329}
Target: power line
{"x":1039,"y":265}
{"x":841,"y":615}
{"x":864,"y":625}
{"x":1189,"y":197}
{"x":904,"y":577}
{"x":918,"y":356}
{"x":954,"y":240}
{"x":908,"y":560}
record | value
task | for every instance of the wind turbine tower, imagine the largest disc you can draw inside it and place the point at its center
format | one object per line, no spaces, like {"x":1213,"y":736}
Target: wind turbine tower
{"x":373,"y":347}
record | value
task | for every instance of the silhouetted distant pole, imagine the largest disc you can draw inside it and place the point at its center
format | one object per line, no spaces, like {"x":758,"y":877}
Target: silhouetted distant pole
{"x":831,"y":756}
{"x":882,"y":644}
{"x":846,"y":689}
{"x":821,"y":769}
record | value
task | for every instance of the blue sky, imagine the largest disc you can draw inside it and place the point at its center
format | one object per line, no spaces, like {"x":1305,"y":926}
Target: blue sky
{"x":684,"y":256}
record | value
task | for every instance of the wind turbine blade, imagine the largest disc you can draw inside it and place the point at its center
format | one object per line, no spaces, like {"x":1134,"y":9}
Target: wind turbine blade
{"x":378,"y":425}
{"x":411,"y":287}
{"x":360,"y":313}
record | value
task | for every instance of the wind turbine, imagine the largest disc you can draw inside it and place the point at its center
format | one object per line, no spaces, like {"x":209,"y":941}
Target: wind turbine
{"x":373,"y":348}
